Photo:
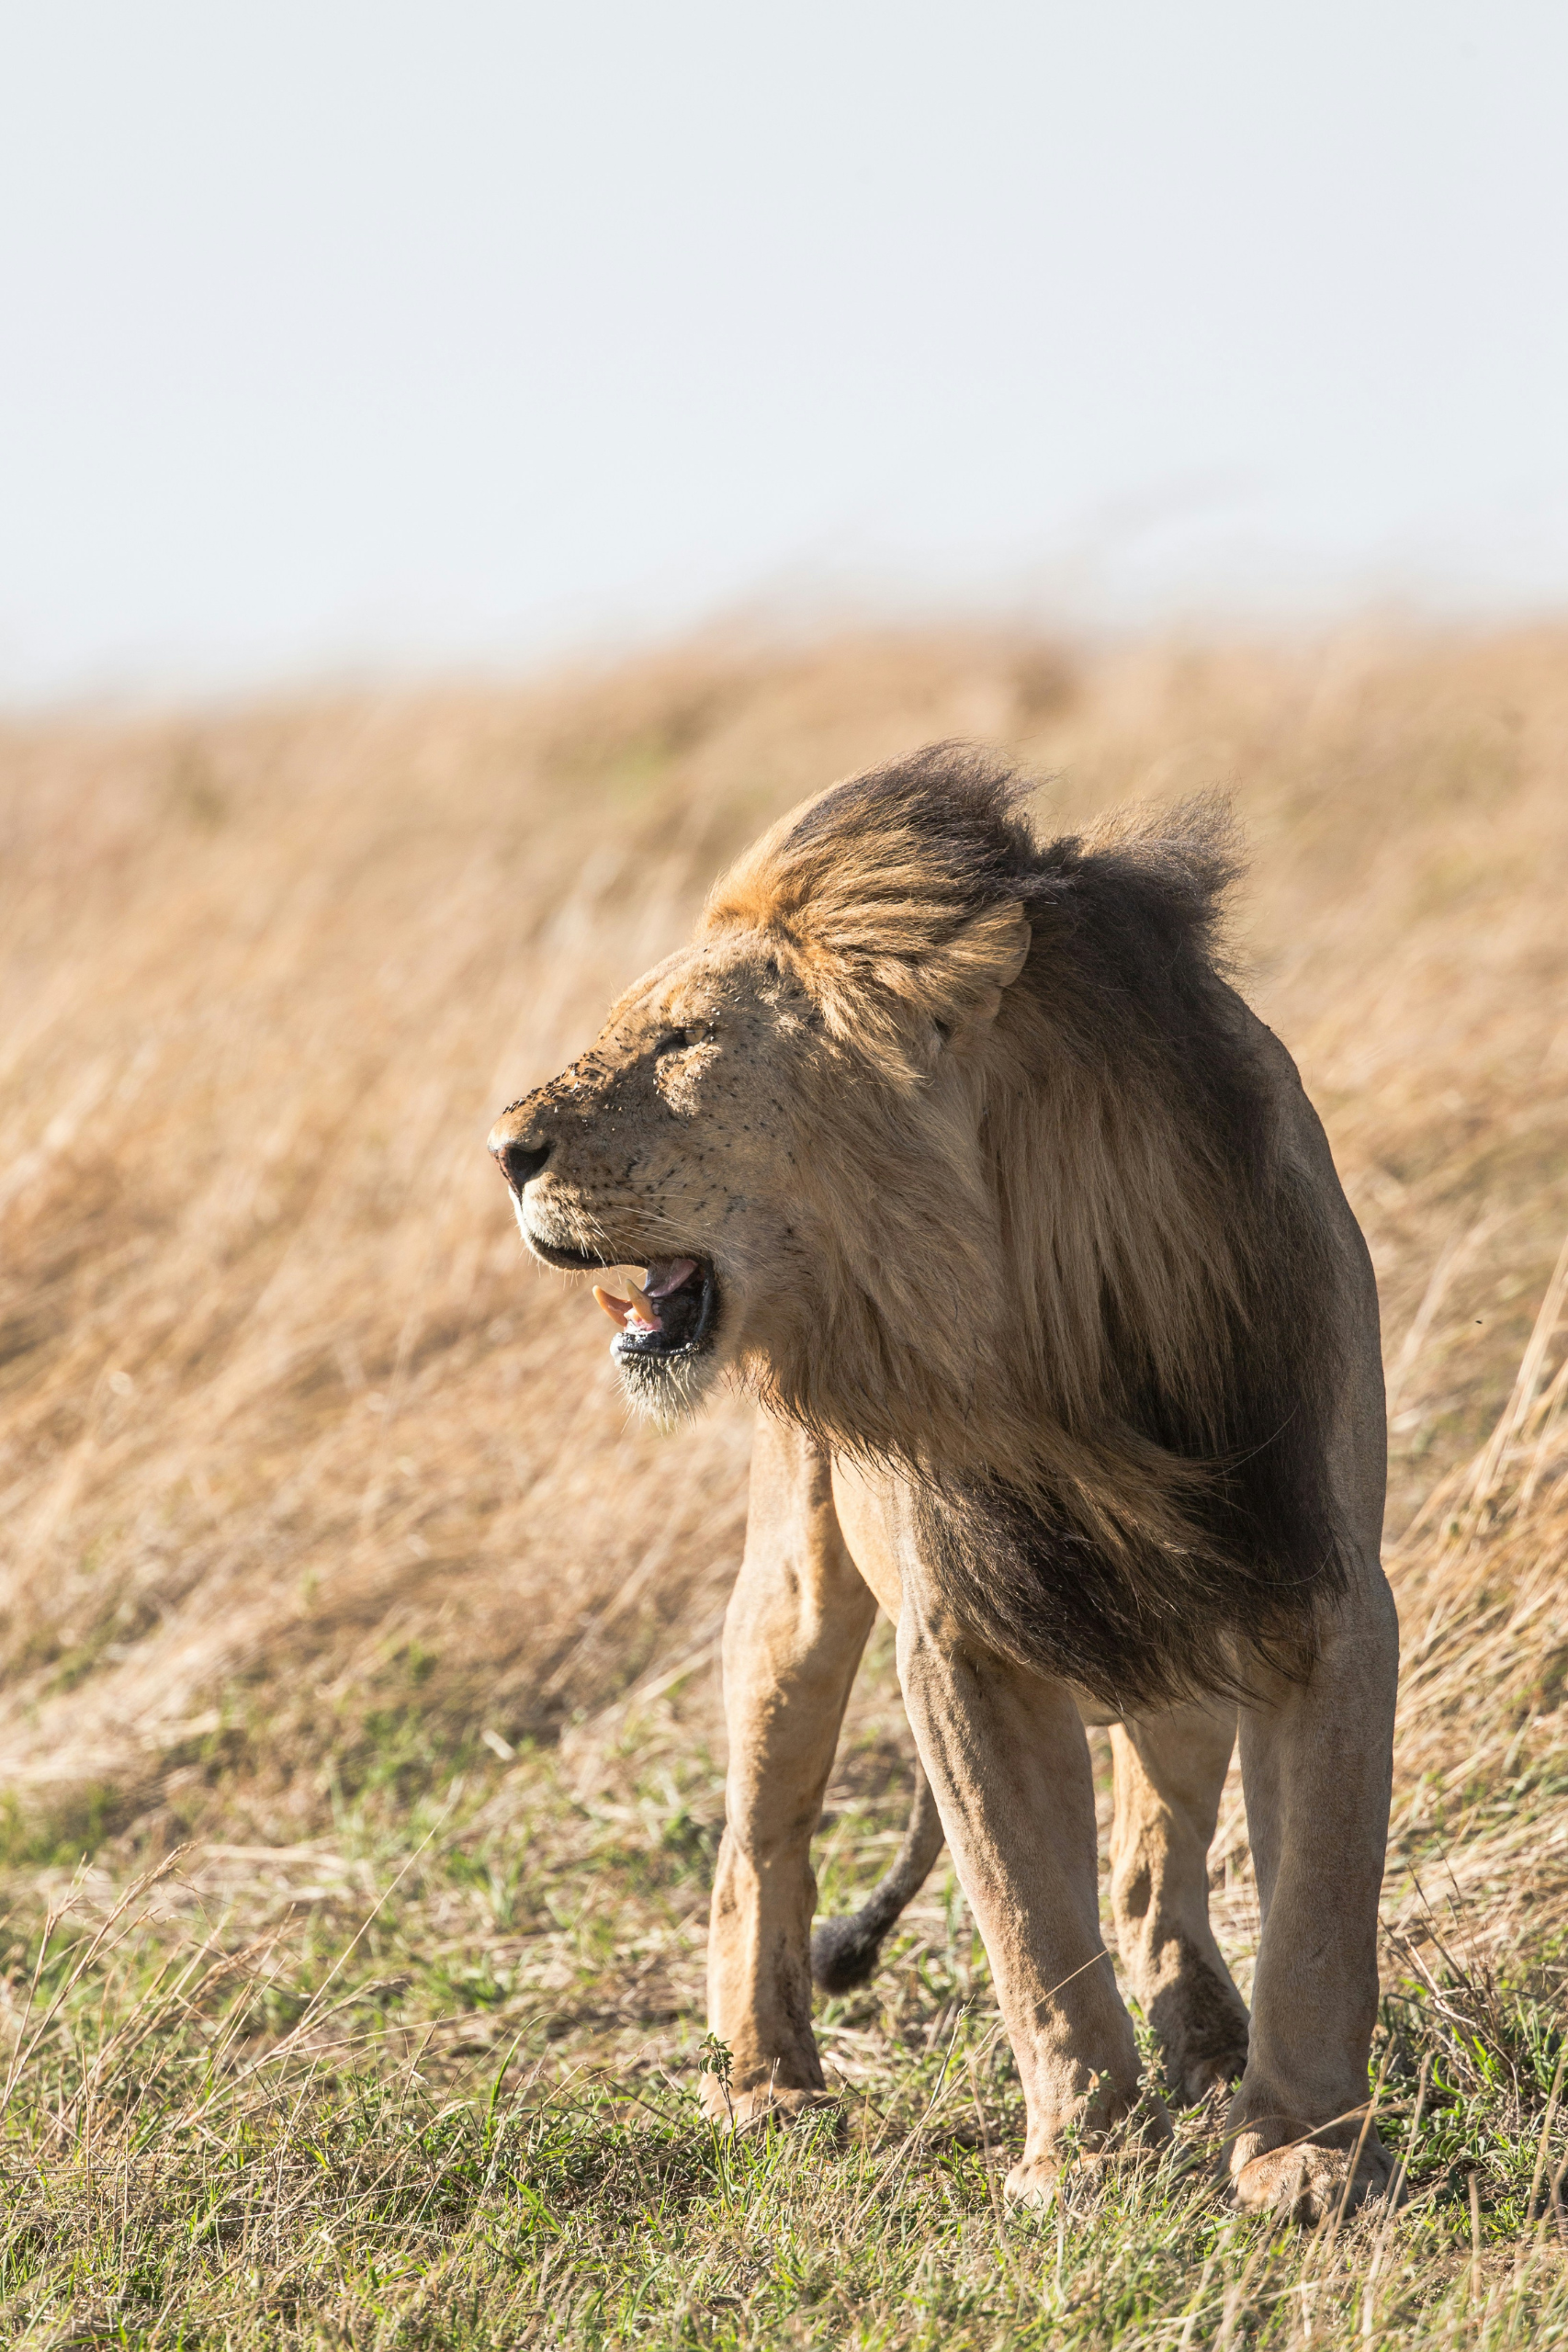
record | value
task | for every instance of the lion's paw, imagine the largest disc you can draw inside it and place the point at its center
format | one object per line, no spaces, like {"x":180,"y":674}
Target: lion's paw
{"x":1307,"y":2183}
{"x":1136,"y":2138}
{"x":1217,"y":2071}
{"x":1034,"y":2181}
{"x":765,"y":2106}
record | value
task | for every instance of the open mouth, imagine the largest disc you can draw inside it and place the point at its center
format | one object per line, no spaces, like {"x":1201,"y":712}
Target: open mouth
{"x":672,"y":1315}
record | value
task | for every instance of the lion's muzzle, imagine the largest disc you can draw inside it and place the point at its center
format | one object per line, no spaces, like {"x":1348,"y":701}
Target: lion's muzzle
{"x":521,"y":1156}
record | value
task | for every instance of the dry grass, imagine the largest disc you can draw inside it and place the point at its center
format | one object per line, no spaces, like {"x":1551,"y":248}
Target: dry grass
{"x":310,"y":1485}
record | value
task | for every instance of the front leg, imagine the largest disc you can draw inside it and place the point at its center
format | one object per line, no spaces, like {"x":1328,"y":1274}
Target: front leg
{"x":1007,"y":1759}
{"x":796,"y":1624}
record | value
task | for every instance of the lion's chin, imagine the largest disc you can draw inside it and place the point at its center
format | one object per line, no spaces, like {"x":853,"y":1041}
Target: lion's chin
{"x":666,"y":1350}
{"x":672,"y":1391}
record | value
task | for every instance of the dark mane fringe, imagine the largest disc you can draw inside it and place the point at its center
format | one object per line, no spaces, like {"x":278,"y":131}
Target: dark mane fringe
{"x":1165,"y":1525}
{"x":1060,"y":1581}
{"x":1136,"y":924}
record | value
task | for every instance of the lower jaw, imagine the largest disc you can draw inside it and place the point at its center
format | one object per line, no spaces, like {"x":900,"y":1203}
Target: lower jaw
{"x":666,"y":1388}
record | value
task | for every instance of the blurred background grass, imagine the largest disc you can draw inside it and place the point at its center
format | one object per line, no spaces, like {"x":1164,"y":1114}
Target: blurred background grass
{"x":330,"y":1558}
{"x":307,"y":1474}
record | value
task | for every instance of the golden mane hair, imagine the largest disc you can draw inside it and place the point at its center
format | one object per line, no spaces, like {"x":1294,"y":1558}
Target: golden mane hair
{"x":1056,"y":1263}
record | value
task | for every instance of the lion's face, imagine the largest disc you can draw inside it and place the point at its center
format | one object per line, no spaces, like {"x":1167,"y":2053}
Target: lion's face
{"x":783,"y":1123}
{"x":670,"y":1145}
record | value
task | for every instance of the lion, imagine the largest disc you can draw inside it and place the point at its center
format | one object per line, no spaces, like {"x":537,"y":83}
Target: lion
{"x":960,"y":1151}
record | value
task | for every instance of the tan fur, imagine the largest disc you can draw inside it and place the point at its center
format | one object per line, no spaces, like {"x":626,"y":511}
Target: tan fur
{"x":910,"y":1188}
{"x":969,"y":1221}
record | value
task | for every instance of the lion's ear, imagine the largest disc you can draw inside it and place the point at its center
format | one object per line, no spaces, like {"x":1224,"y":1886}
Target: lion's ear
{"x":966,"y":978}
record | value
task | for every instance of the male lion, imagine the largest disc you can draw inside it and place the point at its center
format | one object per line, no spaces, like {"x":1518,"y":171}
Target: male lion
{"x":960,"y":1153}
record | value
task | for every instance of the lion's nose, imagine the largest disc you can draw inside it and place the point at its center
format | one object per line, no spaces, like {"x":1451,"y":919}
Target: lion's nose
{"x":520,"y":1160}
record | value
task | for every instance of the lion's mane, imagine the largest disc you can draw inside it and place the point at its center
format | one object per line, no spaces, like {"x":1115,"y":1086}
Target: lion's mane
{"x":1059,"y":1266}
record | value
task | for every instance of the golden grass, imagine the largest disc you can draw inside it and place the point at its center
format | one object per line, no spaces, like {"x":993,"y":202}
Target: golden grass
{"x":291,"y":1443}
{"x":310,"y":1484}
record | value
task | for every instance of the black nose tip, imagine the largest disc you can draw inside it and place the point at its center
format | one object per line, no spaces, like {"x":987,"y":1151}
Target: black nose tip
{"x":523,"y":1161}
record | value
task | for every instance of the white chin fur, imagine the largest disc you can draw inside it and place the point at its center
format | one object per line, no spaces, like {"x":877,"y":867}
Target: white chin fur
{"x":666,"y":1389}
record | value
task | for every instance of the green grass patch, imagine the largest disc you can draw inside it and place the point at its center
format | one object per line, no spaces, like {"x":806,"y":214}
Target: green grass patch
{"x":441,"y":2092}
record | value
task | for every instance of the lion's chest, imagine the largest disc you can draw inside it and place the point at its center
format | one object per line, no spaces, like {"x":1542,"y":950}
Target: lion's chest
{"x":867,"y":1503}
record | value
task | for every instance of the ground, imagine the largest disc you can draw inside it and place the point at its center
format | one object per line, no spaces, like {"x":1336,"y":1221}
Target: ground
{"x":358,"y":1715}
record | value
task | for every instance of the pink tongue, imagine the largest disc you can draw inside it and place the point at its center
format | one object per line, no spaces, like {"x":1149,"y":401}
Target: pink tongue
{"x":667,"y":1276}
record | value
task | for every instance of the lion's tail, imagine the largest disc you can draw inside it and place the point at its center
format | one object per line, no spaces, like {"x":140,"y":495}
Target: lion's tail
{"x":844,"y":1951}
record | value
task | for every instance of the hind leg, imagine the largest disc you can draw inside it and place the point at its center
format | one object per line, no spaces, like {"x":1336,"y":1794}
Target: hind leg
{"x":1170,"y":1770}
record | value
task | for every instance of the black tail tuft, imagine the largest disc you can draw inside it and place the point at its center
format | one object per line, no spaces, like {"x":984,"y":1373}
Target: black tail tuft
{"x":844,"y":1951}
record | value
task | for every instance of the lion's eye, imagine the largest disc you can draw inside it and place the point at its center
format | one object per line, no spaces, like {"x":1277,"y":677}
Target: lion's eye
{"x":672,"y":1041}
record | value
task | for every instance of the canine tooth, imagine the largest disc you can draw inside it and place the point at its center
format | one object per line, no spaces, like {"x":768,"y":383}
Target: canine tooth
{"x":639,"y":1310}
{"x":618,"y":1309}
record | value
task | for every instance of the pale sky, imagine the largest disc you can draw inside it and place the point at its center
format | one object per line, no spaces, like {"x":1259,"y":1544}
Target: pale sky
{"x":377,"y":335}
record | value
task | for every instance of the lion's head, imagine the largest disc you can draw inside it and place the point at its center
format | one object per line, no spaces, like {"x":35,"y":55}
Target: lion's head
{"x":781,"y":1122}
